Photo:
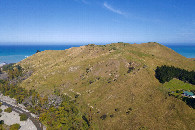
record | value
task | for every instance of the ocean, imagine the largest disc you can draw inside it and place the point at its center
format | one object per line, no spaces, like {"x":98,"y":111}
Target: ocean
{"x":16,"y":53}
{"x":185,"y":50}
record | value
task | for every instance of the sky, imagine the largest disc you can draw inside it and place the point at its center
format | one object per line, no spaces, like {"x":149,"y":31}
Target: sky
{"x":97,"y":21}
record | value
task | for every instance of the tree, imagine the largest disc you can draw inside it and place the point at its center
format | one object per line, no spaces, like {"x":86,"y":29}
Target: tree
{"x":15,"y":127}
{"x":23,"y":117}
{"x":166,"y":73}
{"x":38,"y":51}
{"x":9,"y":110}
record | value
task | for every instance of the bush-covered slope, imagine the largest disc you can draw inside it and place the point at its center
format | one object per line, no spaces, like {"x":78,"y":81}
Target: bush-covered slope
{"x":114,"y":84}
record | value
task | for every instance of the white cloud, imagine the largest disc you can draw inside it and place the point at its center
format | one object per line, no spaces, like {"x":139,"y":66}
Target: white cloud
{"x":109,"y":7}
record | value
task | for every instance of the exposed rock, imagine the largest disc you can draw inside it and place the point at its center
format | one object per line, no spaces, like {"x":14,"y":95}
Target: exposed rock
{"x":54,"y":100}
{"x":73,"y":68}
{"x":3,"y":76}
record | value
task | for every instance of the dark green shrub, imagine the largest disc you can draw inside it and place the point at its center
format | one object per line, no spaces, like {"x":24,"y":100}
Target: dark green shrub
{"x":8,"y":67}
{"x":2,"y":81}
{"x":166,"y":73}
{"x":130,"y":69}
{"x":103,"y":117}
{"x":15,"y":127}
{"x":1,"y":122}
{"x":9,"y":110}
{"x":112,"y":116}
{"x":87,"y":70}
{"x":1,"y":110}
{"x":77,"y":95}
{"x":114,"y":48}
{"x":116,"y":109}
{"x":38,"y":51}
{"x":189,"y":101}
{"x":23,"y":117}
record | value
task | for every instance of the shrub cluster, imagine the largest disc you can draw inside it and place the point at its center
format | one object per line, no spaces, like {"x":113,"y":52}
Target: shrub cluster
{"x":189,"y":101}
{"x":9,"y":110}
{"x":65,"y":115}
{"x":12,"y":70}
{"x":1,"y":122}
{"x":166,"y":73}
{"x":15,"y":127}
{"x":23,"y":117}
{"x":8,"y":67}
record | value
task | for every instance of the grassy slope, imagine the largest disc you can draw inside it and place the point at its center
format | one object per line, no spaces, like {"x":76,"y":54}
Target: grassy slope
{"x":99,"y":74}
{"x":176,"y":84}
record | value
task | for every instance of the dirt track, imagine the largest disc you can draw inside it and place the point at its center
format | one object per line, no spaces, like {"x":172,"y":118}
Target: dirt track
{"x":35,"y":121}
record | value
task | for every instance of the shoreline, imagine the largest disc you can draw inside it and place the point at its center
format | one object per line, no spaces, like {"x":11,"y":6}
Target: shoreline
{"x":2,"y":64}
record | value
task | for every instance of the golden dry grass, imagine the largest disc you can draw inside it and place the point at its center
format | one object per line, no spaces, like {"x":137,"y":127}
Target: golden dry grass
{"x":99,"y":75}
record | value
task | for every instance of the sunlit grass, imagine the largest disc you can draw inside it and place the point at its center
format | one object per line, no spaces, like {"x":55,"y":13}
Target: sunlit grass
{"x":176,"y":84}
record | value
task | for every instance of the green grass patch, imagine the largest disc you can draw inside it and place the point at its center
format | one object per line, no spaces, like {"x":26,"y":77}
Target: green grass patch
{"x":176,"y":84}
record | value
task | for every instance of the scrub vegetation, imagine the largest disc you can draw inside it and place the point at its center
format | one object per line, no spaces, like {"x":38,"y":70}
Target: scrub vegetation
{"x":9,"y":110}
{"x":62,"y":114}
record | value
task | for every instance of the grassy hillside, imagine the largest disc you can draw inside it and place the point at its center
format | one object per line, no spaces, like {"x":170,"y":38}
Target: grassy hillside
{"x":176,"y":84}
{"x":114,"y":84}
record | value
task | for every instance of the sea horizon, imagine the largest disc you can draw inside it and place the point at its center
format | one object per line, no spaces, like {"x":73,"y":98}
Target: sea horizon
{"x":16,"y":53}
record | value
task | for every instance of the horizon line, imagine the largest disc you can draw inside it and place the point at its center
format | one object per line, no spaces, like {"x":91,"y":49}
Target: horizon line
{"x":86,"y":43}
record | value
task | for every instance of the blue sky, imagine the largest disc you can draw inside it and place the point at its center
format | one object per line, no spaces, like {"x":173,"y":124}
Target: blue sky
{"x":97,"y":21}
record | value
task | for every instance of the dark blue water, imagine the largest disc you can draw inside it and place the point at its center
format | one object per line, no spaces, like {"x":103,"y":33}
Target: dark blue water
{"x":185,"y":50}
{"x":16,"y":53}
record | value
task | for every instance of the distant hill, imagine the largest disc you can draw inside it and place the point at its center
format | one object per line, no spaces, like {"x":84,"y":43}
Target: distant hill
{"x":192,"y":59}
{"x":114,"y":84}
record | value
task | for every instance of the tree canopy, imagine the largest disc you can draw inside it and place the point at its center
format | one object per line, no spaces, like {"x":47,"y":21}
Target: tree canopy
{"x":166,"y":73}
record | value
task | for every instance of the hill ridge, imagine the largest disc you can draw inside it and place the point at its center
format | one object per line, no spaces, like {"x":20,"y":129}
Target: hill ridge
{"x":116,"y":82}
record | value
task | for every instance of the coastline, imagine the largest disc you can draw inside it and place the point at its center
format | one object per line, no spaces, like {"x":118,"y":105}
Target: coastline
{"x":2,"y":64}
